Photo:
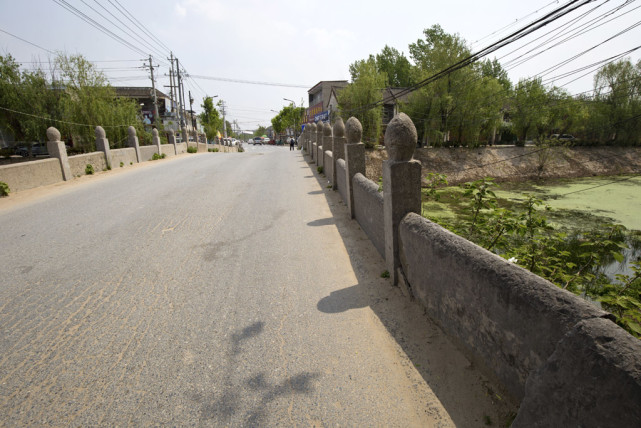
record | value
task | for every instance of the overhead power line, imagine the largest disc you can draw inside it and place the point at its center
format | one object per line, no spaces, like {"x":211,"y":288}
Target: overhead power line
{"x":27,"y":41}
{"x":465,"y":62}
{"x":48,"y":119}
{"x":252,"y":82}
{"x":98,"y":26}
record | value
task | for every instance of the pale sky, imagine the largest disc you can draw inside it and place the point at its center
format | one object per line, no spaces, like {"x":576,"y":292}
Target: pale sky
{"x":297,"y":42}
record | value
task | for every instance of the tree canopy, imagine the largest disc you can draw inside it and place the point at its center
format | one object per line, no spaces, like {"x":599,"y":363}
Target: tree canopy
{"x":75,"y":101}
{"x":210,"y":118}
{"x":356,"y":99}
{"x":479,"y":104}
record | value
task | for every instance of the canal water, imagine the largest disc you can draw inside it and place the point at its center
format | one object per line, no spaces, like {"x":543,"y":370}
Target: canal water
{"x":617,"y":199}
{"x":588,"y":202}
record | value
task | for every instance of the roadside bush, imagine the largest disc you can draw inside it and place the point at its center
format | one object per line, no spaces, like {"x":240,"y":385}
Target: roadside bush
{"x":4,"y":189}
{"x":89,"y":169}
{"x":192,"y":150}
{"x":6,"y":152}
{"x":319,"y":169}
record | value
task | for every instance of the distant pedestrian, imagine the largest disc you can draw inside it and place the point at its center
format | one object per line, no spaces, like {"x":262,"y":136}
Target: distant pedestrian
{"x":291,"y":144}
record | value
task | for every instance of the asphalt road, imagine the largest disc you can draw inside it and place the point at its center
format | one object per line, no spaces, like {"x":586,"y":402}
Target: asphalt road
{"x":213,"y":289}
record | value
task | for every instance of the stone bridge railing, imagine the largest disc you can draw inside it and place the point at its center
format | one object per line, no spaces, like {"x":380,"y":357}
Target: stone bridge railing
{"x":60,"y":167}
{"x":564,"y":359}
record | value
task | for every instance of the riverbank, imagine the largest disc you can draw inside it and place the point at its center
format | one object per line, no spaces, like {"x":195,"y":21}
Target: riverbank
{"x":517,"y":163}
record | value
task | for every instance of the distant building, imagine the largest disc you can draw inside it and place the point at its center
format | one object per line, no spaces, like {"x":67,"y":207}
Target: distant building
{"x":167,"y":110}
{"x":322,"y":100}
{"x":391,"y":98}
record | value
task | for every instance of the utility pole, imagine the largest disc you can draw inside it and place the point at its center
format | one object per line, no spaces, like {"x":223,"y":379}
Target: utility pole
{"x":181,"y":105}
{"x":191,"y":110}
{"x":172,"y":90}
{"x":222,"y":106}
{"x":153,"y":88}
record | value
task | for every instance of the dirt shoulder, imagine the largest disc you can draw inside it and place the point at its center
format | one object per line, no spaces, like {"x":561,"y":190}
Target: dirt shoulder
{"x":517,"y":163}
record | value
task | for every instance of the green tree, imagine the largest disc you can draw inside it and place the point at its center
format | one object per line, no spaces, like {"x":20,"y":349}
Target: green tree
{"x":493,"y":68}
{"x":210,"y":118}
{"x":89,"y":101}
{"x":396,"y":67}
{"x":530,"y":109}
{"x":288,"y":117}
{"x":434,"y":104}
{"x":26,"y":92}
{"x":357,"y":98}
{"x":260,"y":131}
{"x":618,"y":100}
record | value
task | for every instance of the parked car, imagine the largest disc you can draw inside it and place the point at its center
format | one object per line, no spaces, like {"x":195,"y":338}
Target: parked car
{"x":37,"y":149}
{"x":562,"y":137}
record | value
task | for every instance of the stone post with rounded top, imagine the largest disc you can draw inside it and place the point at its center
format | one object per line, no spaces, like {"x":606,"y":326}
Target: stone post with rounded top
{"x":301,"y":138}
{"x":354,"y":158}
{"x":155,"y":138}
{"x":171,"y":139}
{"x":338,"y":146}
{"x":328,"y":143}
{"x":183,"y":132}
{"x":319,"y":144}
{"x":132,"y":141}
{"x":312,"y":141}
{"x":102,"y":144}
{"x":308,"y":139}
{"x":57,"y":149}
{"x":401,"y":186}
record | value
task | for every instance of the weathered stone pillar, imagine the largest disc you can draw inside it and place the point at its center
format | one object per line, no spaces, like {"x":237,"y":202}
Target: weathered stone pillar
{"x":102,"y":144}
{"x":308,"y":139}
{"x":155,"y":138}
{"x":171,"y":139}
{"x":401,"y":185}
{"x":312,"y":141}
{"x":328,"y":142}
{"x":319,"y":144}
{"x":338,"y":147}
{"x":57,"y":149}
{"x":183,"y":132}
{"x":339,"y":140}
{"x":133,"y":142}
{"x":354,"y":158}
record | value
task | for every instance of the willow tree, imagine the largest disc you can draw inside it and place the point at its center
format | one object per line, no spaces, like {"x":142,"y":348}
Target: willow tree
{"x":616,"y":110}
{"x":89,"y":101}
{"x":360,"y":97}
{"x":29,"y":104}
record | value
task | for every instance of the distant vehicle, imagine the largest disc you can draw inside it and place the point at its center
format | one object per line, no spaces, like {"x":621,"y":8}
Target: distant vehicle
{"x":37,"y":149}
{"x":562,"y":137}
{"x":258,"y":140}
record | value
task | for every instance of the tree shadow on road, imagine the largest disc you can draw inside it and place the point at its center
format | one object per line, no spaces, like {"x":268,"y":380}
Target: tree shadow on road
{"x":467,"y":395}
{"x":245,"y":400}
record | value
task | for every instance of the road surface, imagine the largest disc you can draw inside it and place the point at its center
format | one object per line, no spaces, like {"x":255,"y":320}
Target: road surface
{"x":214,"y":289}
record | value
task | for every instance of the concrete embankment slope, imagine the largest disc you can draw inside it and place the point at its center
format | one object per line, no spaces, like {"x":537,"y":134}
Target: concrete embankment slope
{"x":518,"y":163}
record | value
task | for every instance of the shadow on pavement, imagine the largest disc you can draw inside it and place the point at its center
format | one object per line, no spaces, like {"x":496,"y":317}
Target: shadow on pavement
{"x":243,"y":399}
{"x":467,"y":395}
